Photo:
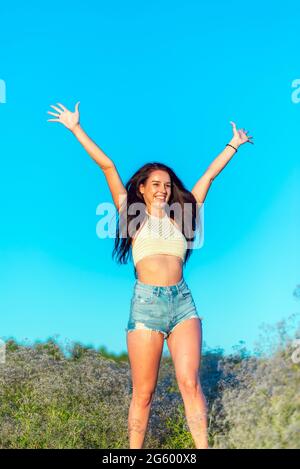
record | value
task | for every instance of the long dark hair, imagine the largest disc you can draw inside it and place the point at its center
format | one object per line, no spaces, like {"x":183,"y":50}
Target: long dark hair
{"x":179,"y":194}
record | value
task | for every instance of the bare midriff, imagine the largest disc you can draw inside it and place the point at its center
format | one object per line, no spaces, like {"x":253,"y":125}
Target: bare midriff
{"x":159,"y":269}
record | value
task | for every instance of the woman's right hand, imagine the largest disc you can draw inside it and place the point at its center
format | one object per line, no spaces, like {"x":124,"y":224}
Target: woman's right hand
{"x":66,"y":117}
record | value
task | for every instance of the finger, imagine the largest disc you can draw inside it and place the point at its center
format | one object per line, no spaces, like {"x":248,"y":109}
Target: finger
{"x":233,"y":127}
{"x":56,"y":108}
{"x":76,"y":106}
{"x":53,"y":113}
{"x":53,"y":120}
{"x":63,"y":107}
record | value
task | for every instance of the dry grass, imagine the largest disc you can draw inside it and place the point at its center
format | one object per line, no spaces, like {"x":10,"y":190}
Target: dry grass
{"x":48,"y":400}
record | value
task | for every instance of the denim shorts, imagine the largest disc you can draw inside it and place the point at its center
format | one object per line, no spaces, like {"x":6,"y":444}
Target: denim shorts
{"x":160,"y":308}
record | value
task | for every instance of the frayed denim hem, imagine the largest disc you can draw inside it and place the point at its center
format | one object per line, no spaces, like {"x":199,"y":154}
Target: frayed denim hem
{"x":141,"y":326}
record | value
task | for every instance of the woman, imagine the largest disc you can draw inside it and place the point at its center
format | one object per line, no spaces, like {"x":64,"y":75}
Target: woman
{"x":162,"y":306}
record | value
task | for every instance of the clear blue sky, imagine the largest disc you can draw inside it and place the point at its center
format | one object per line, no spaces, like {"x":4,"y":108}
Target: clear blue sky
{"x":157,"y":80}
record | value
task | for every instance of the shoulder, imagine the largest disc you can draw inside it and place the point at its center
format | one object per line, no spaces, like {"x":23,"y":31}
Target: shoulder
{"x":134,"y":237}
{"x":174,"y":223}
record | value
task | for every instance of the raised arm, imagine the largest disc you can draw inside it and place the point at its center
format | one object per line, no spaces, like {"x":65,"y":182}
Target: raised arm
{"x":202,"y":186}
{"x":71,"y":121}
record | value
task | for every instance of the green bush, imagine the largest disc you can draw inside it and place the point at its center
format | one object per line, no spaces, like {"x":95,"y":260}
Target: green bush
{"x":50,"y":401}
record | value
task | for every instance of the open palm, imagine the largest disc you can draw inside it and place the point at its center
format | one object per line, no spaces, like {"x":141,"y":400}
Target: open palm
{"x":66,"y":117}
{"x":240,"y":135}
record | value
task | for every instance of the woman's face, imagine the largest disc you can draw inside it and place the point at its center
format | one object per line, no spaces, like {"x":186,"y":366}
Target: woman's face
{"x":157,"y":189}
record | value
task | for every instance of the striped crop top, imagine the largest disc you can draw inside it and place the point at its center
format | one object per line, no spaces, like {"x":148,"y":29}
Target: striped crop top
{"x":158,"y":236}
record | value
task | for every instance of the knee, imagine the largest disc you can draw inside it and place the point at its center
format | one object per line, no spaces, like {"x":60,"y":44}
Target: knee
{"x":189,"y":384}
{"x":142,"y":398}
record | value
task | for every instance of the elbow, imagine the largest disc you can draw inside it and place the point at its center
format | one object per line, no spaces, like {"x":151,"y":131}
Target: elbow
{"x":211,"y":177}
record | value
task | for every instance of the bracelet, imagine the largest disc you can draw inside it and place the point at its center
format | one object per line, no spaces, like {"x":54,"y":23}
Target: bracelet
{"x":228,"y":145}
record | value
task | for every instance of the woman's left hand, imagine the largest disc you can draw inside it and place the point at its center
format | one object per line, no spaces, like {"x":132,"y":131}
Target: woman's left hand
{"x":240,"y":136}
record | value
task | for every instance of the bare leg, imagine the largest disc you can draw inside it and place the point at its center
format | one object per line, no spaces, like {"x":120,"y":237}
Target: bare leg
{"x":144,"y":351}
{"x":196,"y":412}
{"x":185,"y":344}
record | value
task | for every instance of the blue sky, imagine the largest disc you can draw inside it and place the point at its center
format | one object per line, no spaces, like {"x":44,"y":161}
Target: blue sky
{"x":157,"y":80}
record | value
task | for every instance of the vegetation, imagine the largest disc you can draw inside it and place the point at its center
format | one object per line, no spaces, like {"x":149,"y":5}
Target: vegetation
{"x":48,"y":400}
